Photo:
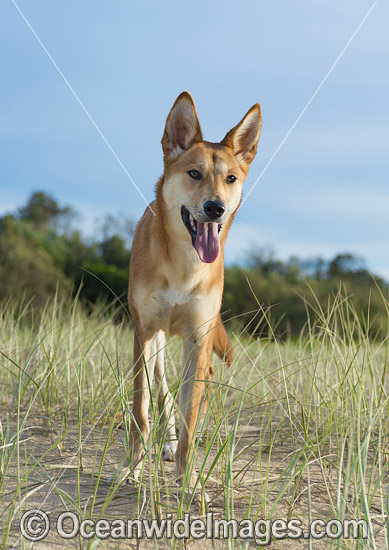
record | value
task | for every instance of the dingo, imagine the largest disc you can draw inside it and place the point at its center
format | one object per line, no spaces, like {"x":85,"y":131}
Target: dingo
{"x":177,"y":272}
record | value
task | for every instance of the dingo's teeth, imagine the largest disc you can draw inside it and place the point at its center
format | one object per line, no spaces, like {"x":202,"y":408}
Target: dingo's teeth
{"x":192,"y":222}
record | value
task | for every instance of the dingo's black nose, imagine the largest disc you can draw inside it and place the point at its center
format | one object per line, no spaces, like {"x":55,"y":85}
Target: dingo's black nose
{"x":214,"y":209}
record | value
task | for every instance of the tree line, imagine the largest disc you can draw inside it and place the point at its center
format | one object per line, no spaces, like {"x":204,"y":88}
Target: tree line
{"x":43,"y":253}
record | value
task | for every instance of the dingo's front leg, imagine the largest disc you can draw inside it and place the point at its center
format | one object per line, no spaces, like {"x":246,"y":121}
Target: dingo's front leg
{"x":145,"y":353}
{"x":197,"y":356}
{"x":165,"y":402}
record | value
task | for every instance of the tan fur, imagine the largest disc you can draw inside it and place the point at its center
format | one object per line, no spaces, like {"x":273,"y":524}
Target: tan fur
{"x":221,"y":343}
{"x":170,"y":289}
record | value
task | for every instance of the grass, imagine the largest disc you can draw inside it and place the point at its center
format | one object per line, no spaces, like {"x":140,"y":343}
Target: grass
{"x":295,"y":429}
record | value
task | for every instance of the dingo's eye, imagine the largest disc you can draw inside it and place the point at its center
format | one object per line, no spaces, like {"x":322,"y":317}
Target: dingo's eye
{"x":230,"y":179}
{"x":195,"y":174}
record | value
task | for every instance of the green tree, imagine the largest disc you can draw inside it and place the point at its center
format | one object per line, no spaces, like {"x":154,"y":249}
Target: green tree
{"x":27,"y":269}
{"x":41,"y":209}
{"x":114,"y":252}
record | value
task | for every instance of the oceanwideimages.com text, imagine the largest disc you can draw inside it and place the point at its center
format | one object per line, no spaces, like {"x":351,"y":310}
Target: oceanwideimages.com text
{"x":36,"y":524}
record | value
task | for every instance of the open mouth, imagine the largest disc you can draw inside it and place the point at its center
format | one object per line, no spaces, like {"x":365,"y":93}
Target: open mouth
{"x":204,"y":235}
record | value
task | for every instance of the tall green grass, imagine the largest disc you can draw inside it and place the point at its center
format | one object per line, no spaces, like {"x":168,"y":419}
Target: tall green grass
{"x":294,"y":429}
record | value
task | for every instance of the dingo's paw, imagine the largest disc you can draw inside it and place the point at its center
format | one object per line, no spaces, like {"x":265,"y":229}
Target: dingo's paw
{"x":169,"y":451}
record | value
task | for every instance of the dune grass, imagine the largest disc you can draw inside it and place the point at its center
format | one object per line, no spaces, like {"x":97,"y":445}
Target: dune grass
{"x":294,"y":429}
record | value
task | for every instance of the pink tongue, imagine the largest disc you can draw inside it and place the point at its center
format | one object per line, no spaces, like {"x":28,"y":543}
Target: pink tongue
{"x":207,"y":242}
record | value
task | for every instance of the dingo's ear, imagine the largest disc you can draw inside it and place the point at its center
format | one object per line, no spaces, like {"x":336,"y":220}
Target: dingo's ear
{"x":243,"y":138}
{"x":182,"y":127}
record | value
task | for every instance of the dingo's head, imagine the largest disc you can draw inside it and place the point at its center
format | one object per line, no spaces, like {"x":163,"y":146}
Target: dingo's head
{"x":202,"y":183}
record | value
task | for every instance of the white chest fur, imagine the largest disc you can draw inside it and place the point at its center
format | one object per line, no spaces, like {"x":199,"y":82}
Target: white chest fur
{"x":177,"y":296}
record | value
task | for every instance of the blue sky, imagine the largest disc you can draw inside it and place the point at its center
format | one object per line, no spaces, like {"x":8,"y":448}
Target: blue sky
{"x":327,"y":189}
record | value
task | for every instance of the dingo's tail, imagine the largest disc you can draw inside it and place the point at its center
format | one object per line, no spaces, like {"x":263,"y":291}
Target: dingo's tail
{"x":221,"y":342}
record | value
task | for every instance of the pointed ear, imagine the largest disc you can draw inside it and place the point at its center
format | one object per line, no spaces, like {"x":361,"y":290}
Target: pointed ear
{"x":243,"y":138}
{"x":182,"y":127}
